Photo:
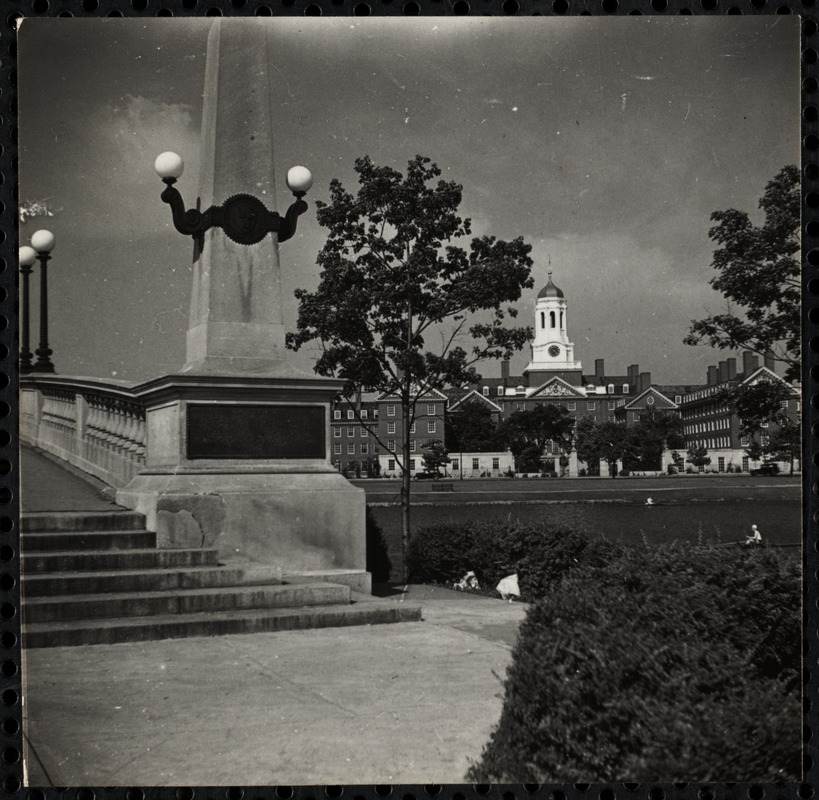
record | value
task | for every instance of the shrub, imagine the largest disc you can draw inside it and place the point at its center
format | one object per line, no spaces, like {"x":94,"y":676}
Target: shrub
{"x":677,"y":663}
{"x":378,"y":561}
{"x":540,"y":555}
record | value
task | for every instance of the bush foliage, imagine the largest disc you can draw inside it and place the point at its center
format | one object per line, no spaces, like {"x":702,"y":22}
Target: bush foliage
{"x":539,"y":555}
{"x":671,"y":663}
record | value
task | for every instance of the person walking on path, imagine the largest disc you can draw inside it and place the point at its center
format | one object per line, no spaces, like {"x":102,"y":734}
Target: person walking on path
{"x":754,"y":537}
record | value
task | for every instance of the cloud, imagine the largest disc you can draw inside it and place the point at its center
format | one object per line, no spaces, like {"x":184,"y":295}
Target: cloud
{"x":142,"y":128}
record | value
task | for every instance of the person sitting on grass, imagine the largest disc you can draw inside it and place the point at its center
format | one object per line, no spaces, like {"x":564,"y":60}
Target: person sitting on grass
{"x":754,"y":537}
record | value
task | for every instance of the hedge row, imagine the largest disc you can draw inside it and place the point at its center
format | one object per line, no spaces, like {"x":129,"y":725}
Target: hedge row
{"x":672,"y":663}
{"x":540,"y":555}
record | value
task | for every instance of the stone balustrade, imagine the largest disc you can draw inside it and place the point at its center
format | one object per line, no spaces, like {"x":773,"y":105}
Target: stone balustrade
{"x":97,"y":426}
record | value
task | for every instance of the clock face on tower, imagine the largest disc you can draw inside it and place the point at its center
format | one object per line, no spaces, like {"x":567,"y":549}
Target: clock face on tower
{"x":554,"y":351}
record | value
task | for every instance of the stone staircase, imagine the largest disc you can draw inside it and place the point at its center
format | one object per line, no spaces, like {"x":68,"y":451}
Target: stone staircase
{"x":99,"y":578}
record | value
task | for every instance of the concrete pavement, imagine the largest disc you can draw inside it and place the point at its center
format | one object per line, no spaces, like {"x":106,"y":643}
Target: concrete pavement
{"x":407,"y":703}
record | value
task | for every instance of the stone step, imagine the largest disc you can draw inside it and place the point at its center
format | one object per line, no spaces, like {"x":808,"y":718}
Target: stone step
{"x":219,"y":623}
{"x":49,"y":584}
{"x":190,"y":601}
{"x":87,"y":540}
{"x":90,"y":560}
{"x":49,"y":521}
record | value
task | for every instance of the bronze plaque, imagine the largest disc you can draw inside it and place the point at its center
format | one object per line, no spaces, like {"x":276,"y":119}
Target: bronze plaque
{"x":258,"y":432}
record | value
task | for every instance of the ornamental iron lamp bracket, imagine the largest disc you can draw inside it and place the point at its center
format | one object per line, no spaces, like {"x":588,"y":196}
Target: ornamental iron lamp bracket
{"x":243,"y":218}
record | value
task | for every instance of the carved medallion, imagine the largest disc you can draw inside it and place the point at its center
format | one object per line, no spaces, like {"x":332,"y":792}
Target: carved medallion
{"x":246,"y":219}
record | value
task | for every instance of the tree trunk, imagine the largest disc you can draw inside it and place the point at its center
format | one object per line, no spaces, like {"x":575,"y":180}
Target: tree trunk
{"x":405,"y":478}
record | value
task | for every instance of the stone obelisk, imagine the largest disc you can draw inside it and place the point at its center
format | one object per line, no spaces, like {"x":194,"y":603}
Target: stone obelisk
{"x":236,"y":321}
{"x":238,"y":453}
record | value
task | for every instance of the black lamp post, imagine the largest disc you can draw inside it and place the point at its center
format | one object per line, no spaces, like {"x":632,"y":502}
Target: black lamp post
{"x":28,"y":257}
{"x":43,"y":243}
{"x":243,"y":218}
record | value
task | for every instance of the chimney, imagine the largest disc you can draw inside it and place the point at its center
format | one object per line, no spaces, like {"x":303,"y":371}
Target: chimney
{"x":644,"y":382}
{"x":722,"y":371}
{"x":505,"y":371}
{"x":749,"y":362}
{"x":769,"y":361}
{"x":599,"y":370}
{"x":732,"y":368}
{"x":632,"y":374}
{"x":712,"y":376}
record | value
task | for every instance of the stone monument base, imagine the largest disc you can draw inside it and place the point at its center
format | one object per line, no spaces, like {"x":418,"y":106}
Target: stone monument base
{"x":294,"y":523}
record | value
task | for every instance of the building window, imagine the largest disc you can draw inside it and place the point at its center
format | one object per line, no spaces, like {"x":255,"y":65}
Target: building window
{"x":350,"y":431}
{"x":591,"y":406}
{"x":412,"y":464}
{"x":430,"y":409}
{"x":500,"y":391}
{"x":431,"y":426}
{"x":412,"y":428}
{"x":350,"y":414}
{"x":337,"y":414}
{"x":552,"y":318}
{"x":485,"y":391}
{"x":364,"y":413}
{"x":745,"y":463}
{"x":765,"y":440}
{"x":376,"y":451}
{"x":763,"y":424}
{"x":721,"y":464}
{"x":476,"y":464}
{"x":625,"y":388}
{"x":635,"y":416}
{"x":677,"y":399}
{"x":390,"y":410}
{"x":542,"y":319}
{"x":351,"y":449}
{"x":391,"y":445}
{"x":391,"y":465}
{"x":521,"y":406}
{"x":745,"y":441}
{"x":337,"y":433}
{"x":611,"y":417}
{"x":363,"y":432}
{"x":365,"y":449}
{"x":412,"y":445}
{"x":495,"y":463}
{"x":337,"y":449}
{"x":611,"y":405}
{"x":390,"y":427}
{"x":455,"y":463}
{"x":572,"y":406}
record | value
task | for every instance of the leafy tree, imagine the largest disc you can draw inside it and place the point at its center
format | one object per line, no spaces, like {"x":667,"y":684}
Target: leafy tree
{"x":655,"y":432}
{"x":698,"y":457}
{"x":396,"y":293}
{"x":786,"y":443}
{"x":608,"y":441}
{"x":759,"y":276}
{"x":758,"y":404}
{"x":435,"y":456}
{"x":586,"y":443}
{"x":526,"y":433}
{"x":755,"y":451}
{"x":473,"y":428}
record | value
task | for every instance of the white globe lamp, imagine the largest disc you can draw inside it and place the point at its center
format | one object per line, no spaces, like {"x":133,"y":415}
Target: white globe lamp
{"x":299,"y":180}
{"x":169,"y":165}
{"x":43,"y":241}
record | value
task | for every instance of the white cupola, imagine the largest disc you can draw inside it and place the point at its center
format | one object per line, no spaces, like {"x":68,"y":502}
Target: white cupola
{"x":551,"y":350}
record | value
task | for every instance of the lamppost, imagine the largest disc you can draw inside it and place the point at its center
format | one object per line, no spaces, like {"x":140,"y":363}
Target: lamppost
{"x":243,"y":218}
{"x":43,"y":243}
{"x":28,"y":256}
